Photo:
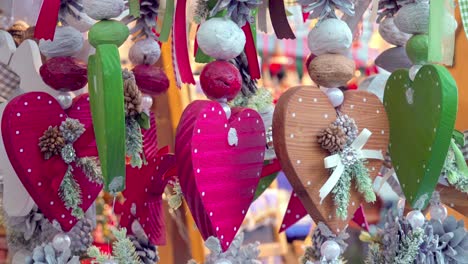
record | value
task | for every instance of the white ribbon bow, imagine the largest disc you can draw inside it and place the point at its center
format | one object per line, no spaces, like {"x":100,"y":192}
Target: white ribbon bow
{"x":336,"y":161}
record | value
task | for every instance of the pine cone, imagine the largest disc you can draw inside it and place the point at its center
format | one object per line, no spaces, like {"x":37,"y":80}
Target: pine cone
{"x":147,"y":252}
{"x":388,"y":8}
{"x":132,"y":94}
{"x":348,"y":125}
{"x":332,"y":138}
{"x":72,"y":7}
{"x":322,"y":9}
{"x":71,"y":129}
{"x":46,"y":253}
{"x":81,"y":237}
{"x":146,"y":22}
{"x":249,"y":85}
{"x":321,"y":234}
{"x":17,"y":31}
{"x":52,"y":142}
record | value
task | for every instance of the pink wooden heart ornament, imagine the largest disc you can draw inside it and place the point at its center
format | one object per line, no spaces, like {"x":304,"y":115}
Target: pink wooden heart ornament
{"x":144,"y":189}
{"x":24,"y":121}
{"x":219,"y":164}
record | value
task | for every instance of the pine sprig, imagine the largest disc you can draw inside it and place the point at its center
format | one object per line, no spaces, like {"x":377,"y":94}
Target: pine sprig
{"x":70,"y":194}
{"x":90,"y":168}
{"x":363,"y":181}
{"x":123,"y":248}
{"x":134,"y":142}
{"x":341,"y":193}
{"x":94,"y":252}
{"x":409,"y":247}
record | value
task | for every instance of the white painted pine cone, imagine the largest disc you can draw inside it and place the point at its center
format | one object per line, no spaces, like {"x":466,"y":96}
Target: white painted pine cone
{"x":221,"y":38}
{"x":67,"y":42}
{"x":413,"y":18}
{"x":391,"y":33}
{"x":103,"y":9}
{"x":83,"y":24}
{"x":145,"y":51}
{"x":330,"y":36}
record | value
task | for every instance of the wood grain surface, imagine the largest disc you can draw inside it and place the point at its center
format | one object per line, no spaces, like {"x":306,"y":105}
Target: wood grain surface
{"x":301,"y":113}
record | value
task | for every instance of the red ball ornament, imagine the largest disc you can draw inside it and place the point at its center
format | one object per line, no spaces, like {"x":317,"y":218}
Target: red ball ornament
{"x":150,"y":79}
{"x":220,"y":79}
{"x":64,"y":73}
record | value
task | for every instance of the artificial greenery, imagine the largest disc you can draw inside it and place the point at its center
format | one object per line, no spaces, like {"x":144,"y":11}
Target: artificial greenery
{"x":90,"y":167}
{"x":341,"y":193}
{"x":455,"y":169}
{"x":70,"y":194}
{"x":408,"y":249}
{"x":134,"y":142}
{"x":123,"y":250}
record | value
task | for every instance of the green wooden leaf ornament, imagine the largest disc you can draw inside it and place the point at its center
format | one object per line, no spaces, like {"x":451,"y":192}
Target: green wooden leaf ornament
{"x":422,"y":117}
{"x":107,"y":109}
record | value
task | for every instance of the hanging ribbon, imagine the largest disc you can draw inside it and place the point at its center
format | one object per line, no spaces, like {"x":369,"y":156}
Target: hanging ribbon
{"x":385,"y":178}
{"x":251,"y":52}
{"x":442,"y":27}
{"x":279,"y":20}
{"x":463,"y":4}
{"x":167,"y":22}
{"x":47,"y":20}
{"x":335,"y":161}
{"x":180,"y":43}
{"x":262,"y":16}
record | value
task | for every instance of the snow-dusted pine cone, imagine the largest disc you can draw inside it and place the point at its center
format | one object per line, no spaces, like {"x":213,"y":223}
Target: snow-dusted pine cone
{"x":322,"y":9}
{"x":71,"y":7}
{"x":238,"y":10}
{"x":348,"y":125}
{"x":47,"y":254}
{"x":146,"y":251}
{"x":321,"y":234}
{"x":388,"y":8}
{"x":81,"y":237}
{"x":249,"y":85}
{"x":445,"y":242}
{"x":146,"y":22}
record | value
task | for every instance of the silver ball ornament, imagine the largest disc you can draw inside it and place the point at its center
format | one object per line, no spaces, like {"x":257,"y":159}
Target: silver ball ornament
{"x":330,"y":250}
{"x":226,"y":108}
{"x":335,"y":95}
{"x":146,"y":103}
{"x":65,"y":100}
{"x":223,"y":261}
{"x":416,"y":219}
{"x":438,"y":212}
{"x":61,"y":242}
{"x":414,"y":70}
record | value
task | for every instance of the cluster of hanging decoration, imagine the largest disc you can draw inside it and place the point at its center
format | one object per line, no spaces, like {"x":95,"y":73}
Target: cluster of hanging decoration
{"x":77,"y":145}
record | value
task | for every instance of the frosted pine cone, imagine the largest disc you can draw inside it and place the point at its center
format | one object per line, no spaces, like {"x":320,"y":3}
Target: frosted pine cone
{"x":81,"y":237}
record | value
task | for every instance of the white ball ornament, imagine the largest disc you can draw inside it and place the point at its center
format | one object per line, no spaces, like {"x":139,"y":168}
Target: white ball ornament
{"x":221,"y":38}
{"x":61,"y":242}
{"x":438,"y":212}
{"x":146,"y":103}
{"x":103,"y":9}
{"x":416,"y":219}
{"x":335,"y":96}
{"x":330,"y":36}
{"x":65,"y":99}
{"x":68,"y":41}
{"x":330,"y":250}
{"x":83,"y":24}
{"x":145,"y":51}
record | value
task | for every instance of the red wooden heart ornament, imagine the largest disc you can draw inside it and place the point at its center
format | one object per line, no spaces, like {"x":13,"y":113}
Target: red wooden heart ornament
{"x":24,"y":121}
{"x":300,"y":115}
{"x":144,"y":189}
{"x":218,"y":175}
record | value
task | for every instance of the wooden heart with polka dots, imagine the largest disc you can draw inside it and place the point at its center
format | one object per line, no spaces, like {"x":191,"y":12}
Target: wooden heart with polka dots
{"x":24,"y":121}
{"x":144,"y":188}
{"x":219,"y":164}
{"x":300,"y":114}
